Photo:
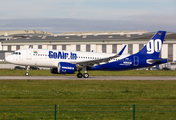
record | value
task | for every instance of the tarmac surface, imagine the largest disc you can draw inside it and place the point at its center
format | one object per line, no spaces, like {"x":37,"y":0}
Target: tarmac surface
{"x":90,"y":78}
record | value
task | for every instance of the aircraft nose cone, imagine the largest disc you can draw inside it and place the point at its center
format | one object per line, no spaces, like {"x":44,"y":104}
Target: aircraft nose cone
{"x":8,"y":58}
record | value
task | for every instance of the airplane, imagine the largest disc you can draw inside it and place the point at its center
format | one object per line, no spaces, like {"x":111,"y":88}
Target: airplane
{"x":67,"y":62}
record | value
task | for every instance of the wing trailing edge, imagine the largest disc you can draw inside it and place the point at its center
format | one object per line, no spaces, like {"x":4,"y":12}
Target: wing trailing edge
{"x":90,"y":63}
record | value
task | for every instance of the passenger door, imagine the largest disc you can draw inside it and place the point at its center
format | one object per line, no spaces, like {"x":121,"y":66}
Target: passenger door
{"x":29,"y":54}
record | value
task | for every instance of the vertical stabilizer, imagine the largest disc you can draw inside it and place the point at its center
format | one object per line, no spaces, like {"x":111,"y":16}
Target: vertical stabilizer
{"x":153,"y":47}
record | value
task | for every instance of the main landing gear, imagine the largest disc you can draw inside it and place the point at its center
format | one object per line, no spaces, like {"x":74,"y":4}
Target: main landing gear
{"x":80,"y":75}
{"x":85,"y":75}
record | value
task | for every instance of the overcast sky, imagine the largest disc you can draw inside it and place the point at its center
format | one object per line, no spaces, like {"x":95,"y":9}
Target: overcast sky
{"x":88,"y":15}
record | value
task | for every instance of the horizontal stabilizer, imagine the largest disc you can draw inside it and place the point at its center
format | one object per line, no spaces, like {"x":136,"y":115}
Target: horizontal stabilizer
{"x":150,"y":61}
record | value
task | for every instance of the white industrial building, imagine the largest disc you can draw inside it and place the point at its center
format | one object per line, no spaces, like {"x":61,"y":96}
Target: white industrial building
{"x":106,"y":42}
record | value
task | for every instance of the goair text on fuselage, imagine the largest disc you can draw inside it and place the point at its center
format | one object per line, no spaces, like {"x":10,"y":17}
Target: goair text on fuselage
{"x":62,"y":55}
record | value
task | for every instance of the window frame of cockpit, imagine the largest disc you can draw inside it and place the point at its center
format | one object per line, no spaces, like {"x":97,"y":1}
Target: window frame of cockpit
{"x":16,"y":53}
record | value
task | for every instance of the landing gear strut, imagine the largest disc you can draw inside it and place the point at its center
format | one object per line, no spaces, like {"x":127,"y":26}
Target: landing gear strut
{"x":85,"y":75}
{"x":27,"y":73}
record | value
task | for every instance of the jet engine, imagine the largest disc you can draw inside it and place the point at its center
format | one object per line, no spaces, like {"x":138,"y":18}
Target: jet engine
{"x":64,"y":68}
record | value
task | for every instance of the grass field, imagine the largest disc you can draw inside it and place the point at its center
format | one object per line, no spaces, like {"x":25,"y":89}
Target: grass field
{"x":11,"y":72}
{"x":100,"y":95}
{"x":82,"y":99}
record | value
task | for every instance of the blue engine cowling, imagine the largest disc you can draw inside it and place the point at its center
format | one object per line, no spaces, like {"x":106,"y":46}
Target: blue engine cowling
{"x":64,"y":68}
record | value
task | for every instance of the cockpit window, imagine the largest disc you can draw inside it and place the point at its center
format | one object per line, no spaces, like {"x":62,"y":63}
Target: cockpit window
{"x":16,"y":53}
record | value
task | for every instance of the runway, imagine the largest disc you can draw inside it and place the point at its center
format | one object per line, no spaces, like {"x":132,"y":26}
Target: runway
{"x":90,"y":78}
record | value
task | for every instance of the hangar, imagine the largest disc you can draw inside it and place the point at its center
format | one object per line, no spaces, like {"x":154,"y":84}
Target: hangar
{"x":106,"y":42}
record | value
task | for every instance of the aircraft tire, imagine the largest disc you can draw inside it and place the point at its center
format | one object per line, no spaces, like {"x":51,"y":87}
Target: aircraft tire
{"x":86,"y":75}
{"x":27,"y":74}
{"x":79,"y":75}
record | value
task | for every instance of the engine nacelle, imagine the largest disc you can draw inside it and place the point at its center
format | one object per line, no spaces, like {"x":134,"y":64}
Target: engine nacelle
{"x":64,"y":68}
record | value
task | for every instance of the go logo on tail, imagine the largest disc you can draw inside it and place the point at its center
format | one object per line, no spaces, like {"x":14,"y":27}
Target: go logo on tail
{"x":154,"y":46}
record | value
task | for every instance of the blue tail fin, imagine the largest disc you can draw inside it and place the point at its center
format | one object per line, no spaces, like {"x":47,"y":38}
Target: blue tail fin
{"x":153,"y":47}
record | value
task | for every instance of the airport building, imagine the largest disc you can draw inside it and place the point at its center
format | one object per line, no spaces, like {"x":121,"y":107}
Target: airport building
{"x":105,"y":42}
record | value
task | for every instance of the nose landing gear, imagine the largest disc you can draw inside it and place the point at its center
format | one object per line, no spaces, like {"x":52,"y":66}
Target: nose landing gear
{"x":27,"y":73}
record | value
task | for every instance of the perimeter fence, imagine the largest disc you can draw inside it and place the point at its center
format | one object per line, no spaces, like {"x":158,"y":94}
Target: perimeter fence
{"x":87,"y":112}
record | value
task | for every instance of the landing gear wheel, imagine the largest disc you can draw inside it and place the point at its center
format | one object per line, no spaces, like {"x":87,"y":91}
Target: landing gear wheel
{"x":86,"y":75}
{"x":79,"y":75}
{"x":26,"y":73}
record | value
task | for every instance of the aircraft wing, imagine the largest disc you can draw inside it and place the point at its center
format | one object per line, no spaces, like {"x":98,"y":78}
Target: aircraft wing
{"x":90,"y":63}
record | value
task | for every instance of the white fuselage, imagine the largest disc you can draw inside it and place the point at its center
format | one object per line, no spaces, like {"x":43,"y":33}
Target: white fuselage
{"x":50,"y":58}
